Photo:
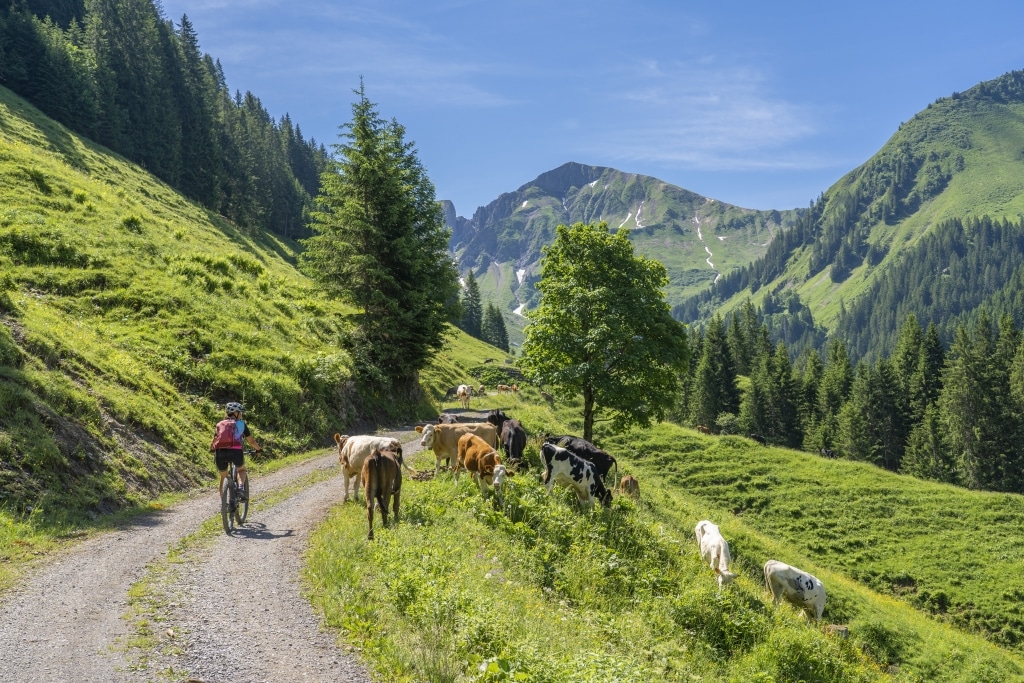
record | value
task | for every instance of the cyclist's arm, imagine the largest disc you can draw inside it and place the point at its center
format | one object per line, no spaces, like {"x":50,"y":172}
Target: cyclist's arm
{"x":252,"y":442}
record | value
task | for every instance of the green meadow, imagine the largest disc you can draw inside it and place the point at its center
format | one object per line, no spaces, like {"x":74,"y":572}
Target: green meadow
{"x":536,"y":590}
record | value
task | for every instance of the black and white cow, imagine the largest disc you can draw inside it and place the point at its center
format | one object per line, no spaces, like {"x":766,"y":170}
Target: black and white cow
{"x":563,"y":467}
{"x":601,"y":460}
{"x":796,"y":587}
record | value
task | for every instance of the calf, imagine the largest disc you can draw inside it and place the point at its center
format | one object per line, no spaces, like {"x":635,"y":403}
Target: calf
{"x":353,"y":451}
{"x":513,"y":442}
{"x":794,"y":586}
{"x":444,"y":439}
{"x":382,"y":479}
{"x":563,"y":467}
{"x":630,"y":486}
{"x":589,"y":452}
{"x":481,"y":461}
{"x":714,"y":550}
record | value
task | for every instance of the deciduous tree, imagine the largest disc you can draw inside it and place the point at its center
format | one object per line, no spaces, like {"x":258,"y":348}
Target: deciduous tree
{"x":603,"y":330}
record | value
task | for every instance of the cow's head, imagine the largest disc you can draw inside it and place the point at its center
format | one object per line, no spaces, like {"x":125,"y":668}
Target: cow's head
{"x":428,"y":435}
{"x":601,"y":493}
{"x":497,"y":417}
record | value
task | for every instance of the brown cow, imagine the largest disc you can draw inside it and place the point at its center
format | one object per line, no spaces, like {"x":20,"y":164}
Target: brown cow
{"x":444,"y":439}
{"x":703,"y":430}
{"x":504,"y":388}
{"x":482,"y":391}
{"x":481,"y":461}
{"x":630,"y":486}
{"x":382,"y":479}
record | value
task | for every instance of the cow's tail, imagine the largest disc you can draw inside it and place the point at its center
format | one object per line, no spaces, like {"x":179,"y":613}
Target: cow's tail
{"x":616,"y":463}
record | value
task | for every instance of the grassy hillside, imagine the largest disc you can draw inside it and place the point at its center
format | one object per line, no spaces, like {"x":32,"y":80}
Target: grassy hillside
{"x":537,"y":591}
{"x":128,"y":316}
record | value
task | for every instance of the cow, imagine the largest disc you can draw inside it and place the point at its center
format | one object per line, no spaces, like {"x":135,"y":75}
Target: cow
{"x":504,"y":388}
{"x":497,"y":418}
{"x":482,"y":390}
{"x":451,"y":393}
{"x":630,"y":486}
{"x":828,"y":453}
{"x":795,"y":586}
{"x":563,"y":467}
{"x":547,"y":397}
{"x":482,"y":461}
{"x":444,"y":439}
{"x":513,"y":442}
{"x":588,"y":451}
{"x":382,"y":479}
{"x":464,"y":394}
{"x":447,"y":419}
{"x":714,"y":550}
{"x":758,"y":438}
{"x":703,"y":429}
{"x":515,"y":388}
{"x":353,"y":451}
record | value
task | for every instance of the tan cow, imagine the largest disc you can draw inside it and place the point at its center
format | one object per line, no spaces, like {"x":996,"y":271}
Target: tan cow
{"x":354,"y":450}
{"x":630,"y":486}
{"x":481,"y":461}
{"x":382,"y":479}
{"x":444,"y":439}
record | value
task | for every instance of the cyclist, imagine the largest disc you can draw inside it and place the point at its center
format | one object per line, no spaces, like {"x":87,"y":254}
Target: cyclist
{"x":227,"y":444}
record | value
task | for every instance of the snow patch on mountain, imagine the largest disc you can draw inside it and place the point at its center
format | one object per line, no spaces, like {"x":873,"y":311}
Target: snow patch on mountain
{"x":520,"y":274}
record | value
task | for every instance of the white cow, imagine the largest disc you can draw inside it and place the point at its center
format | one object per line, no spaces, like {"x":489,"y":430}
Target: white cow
{"x":353,"y":451}
{"x":715,"y":550}
{"x":464,"y":392}
{"x":795,"y":586}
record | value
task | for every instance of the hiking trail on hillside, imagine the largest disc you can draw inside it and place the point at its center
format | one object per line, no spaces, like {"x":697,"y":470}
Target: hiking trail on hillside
{"x":228,"y":609}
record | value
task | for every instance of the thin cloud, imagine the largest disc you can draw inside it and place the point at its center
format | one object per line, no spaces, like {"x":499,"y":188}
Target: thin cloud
{"x":708,"y":117}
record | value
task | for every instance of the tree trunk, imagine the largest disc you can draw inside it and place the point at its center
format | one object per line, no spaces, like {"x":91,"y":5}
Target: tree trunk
{"x":588,"y":413}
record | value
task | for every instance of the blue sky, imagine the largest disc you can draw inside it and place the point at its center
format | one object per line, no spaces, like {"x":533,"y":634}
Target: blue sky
{"x":763,"y":105}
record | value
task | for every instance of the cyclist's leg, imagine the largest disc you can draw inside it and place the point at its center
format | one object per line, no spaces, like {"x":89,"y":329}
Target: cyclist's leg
{"x":222,"y":467}
{"x":243,"y":477}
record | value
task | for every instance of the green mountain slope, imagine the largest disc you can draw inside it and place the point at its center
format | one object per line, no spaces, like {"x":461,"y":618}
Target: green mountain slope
{"x":128,"y":315}
{"x":693,"y":236}
{"x":960,"y":158}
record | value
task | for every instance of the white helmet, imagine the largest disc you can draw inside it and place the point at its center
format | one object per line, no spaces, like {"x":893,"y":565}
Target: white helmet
{"x":234,"y":407}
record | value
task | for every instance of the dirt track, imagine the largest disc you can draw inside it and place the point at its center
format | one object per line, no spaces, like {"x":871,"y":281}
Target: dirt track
{"x":66,"y":623}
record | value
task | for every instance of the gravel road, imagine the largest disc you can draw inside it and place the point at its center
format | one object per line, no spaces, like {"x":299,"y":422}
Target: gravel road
{"x":232,"y":612}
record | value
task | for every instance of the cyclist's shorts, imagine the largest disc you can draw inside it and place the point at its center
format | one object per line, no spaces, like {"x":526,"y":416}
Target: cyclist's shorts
{"x":224,"y":456}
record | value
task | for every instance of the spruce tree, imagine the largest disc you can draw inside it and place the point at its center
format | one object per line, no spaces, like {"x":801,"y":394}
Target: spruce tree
{"x":381,"y":245}
{"x":713,"y":388}
{"x":493,"y":329}
{"x":472,"y":316}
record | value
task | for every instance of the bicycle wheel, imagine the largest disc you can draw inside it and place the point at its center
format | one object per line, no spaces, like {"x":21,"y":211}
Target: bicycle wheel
{"x":242,"y":510}
{"x":228,"y":504}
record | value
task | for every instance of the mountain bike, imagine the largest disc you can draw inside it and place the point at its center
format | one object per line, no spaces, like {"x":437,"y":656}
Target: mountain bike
{"x":234,"y":506}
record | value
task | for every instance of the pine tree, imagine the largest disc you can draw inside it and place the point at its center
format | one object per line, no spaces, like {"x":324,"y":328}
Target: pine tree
{"x":381,"y":244}
{"x":713,"y":387}
{"x":472,"y":316}
{"x":493,"y":330}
